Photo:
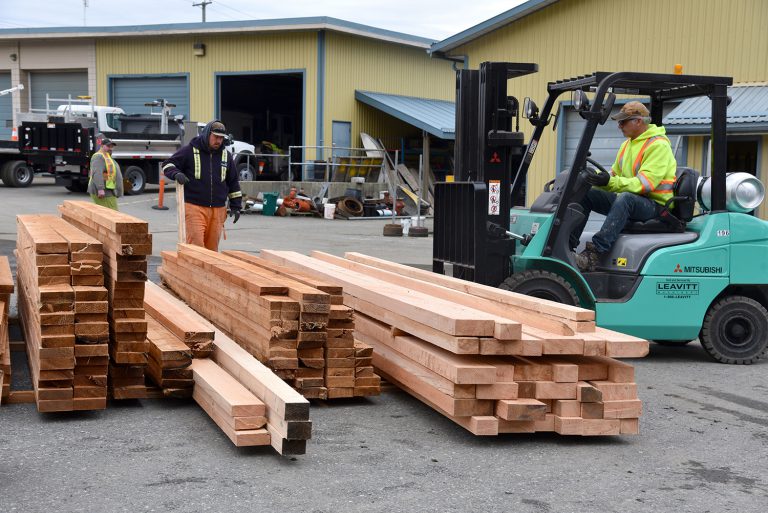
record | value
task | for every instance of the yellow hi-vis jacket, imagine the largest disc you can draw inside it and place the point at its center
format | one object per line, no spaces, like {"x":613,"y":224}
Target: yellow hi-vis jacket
{"x":645,"y":166}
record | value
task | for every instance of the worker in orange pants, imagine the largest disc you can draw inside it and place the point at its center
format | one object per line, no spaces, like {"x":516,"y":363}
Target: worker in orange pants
{"x":204,"y":225}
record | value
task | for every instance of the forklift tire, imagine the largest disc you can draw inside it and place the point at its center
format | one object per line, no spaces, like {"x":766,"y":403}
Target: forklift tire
{"x":734,"y":330}
{"x":543,"y":285}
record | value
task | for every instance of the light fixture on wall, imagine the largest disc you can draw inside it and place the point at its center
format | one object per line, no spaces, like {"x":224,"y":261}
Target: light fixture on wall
{"x":13,"y":57}
{"x":198,"y":49}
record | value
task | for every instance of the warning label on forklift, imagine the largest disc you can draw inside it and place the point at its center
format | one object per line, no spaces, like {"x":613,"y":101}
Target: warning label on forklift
{"x":494,"y":197}
{"x":677,"y":289}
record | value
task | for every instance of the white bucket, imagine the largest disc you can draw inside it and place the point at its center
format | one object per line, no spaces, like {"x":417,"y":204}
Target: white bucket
{"x":328,"y":210}
{"x":406,"y":226}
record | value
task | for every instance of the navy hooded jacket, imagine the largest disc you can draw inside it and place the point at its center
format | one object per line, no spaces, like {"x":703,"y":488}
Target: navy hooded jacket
{"x":211,"y":181}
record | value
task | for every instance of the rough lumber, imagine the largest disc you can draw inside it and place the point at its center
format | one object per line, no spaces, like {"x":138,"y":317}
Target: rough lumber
{"x":228,"y":394}
{"x":178,"y":320}
{"x":439,"y":314}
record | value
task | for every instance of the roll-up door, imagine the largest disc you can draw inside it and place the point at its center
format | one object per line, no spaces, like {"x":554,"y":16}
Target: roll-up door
{"x":131,"y":93}
{"x":608,"y":138}
{"x":6,"y":107}
{"x":56,"y":84}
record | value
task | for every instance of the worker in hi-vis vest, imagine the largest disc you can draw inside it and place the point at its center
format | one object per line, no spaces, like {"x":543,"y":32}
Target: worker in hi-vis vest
{"x":641,"y":180}
{"x":105,"y":184}
{"x":207,"y":171}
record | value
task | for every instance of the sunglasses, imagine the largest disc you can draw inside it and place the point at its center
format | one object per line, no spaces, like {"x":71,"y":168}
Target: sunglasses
{"x":625,"y":121}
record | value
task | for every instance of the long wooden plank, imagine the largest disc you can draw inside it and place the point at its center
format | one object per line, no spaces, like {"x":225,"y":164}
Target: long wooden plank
{"x":176,"y":318}
{"x":483,"y":291}
{"x":6,"y":278}
{"x":505,"y":313}
{"x":228,"y":393}
{"x":439,"y":314}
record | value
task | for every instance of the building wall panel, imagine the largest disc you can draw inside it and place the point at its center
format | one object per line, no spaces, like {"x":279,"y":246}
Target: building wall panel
{"x":574,"y":37}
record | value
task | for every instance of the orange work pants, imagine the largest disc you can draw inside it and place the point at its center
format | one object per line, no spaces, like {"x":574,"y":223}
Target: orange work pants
{"x":204,"y":225}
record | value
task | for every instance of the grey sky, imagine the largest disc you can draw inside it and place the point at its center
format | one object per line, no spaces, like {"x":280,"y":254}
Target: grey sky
{"x":436,"y":19}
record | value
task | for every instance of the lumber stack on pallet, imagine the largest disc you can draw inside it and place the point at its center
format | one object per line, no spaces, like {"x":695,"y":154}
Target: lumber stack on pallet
{"x":126,"y":242}
{"x":443,"y":344}
{"x":65,"y":325}
{"x":346,"y":369}
{"x":286,"y":412}
{"x":282,"y":321}
{"x":6,"y":289}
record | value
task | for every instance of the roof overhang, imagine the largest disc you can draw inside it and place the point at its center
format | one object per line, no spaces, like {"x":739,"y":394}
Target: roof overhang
{"x":440,"y":49}
{"x":316,"y":23}
{"x":437,"y":117}
{"x":746,"y":114}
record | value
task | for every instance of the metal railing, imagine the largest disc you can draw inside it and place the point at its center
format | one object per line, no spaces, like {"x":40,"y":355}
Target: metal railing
{"x":343,"y":162}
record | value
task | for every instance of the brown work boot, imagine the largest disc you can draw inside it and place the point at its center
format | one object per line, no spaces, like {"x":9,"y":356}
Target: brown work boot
{"x":588,"y":259}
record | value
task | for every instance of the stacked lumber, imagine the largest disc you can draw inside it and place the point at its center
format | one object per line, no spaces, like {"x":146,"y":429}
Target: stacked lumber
{"x":453,"y":345}
{"x":64,"y":322}
{"x":340,"y":364}
{"x":280,"y":320}
{"x":285,"y":412}
{"x":126,"y":242}
{"x":6,"y":289}
{"x":169,"y":361}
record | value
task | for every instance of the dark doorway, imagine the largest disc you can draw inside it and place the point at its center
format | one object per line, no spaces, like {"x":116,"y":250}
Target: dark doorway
{"x":742,"y":157}
{"x":263,"y":107}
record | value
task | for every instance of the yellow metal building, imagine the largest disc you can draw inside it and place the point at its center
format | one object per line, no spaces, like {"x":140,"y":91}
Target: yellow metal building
{"x":207,"y":68}
{"x":576,"y":37}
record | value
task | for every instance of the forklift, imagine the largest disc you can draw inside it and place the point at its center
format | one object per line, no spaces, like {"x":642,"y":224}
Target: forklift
{"x":682,"y":276}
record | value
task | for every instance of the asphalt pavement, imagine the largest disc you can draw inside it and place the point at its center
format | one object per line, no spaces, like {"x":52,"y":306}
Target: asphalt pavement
{"x":702,"y":446}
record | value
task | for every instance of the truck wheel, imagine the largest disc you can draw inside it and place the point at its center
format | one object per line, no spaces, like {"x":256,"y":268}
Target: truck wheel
{"x":135,"y":181}
{"x":734,"y":330}
{"x":543,"y":285}
{"x":18,"y":174}
{"x":245,"y":172}
{"x":77,"y":186}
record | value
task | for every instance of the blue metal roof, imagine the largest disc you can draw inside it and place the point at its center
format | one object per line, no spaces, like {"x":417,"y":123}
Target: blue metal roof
{"x":308,"y":23}
{"x":748,"y":112}
{"x":490,"y":25}
{"x":437,"y":117}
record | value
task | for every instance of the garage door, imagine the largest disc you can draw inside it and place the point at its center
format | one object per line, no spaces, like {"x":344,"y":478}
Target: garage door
{"x":6,"y":107}
{"x":57,"y":85}
{"x":607,"y":139}
{"x":131,"y":93}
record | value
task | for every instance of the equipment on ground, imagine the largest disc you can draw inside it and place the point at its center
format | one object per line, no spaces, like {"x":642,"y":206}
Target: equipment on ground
{"x":672,"y":279}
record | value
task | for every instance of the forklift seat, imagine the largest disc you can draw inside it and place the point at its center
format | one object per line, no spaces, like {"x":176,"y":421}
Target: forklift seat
{"x":677,"y":211}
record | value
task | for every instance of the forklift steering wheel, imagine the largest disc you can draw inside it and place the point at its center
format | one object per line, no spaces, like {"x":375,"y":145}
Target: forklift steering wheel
{"x":596,"y":164}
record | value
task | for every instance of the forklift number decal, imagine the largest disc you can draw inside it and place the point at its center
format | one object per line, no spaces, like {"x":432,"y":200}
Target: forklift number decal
{"x":723,"y":233}
{"x":494,"y":197}
{"x":677,"y":289}
{"x":621,"y":262}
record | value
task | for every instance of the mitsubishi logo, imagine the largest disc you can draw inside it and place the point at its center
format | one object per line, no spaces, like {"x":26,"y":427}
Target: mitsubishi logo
{"x":495,"y":158}
{"x":678,"y":269}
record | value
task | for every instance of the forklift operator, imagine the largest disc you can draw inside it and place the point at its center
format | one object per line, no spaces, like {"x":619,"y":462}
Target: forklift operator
{"x":641,"y":180}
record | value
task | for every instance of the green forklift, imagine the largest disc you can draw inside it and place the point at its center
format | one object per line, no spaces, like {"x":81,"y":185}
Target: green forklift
{"x":685,"y":275}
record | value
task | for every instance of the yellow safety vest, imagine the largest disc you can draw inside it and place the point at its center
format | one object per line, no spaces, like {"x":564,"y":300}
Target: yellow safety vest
{"x":110,"y":173}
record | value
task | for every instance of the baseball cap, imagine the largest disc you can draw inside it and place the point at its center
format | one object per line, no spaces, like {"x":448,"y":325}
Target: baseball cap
{"x":103,"y":140}
{"x":631,"y":110}
{"x":218,"y":128}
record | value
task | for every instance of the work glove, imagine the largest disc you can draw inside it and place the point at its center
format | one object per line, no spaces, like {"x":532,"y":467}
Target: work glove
{"x":235,"y":213}
{"x":181,"y":178}
{"x":597,"y":179}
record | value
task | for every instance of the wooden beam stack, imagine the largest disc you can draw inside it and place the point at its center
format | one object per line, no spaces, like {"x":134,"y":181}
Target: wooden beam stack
{"x":454,"y":345}
{"x":282,"y":321}
{"x":65,"y":325}
{"x":6,"y":289}
{"x":331,"y":359}
{"x":126,"y":242}
{"x":169,"y":361}
{"x":286,"y":412}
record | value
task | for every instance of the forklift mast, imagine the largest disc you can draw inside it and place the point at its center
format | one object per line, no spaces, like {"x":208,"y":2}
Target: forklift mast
{"x":488,"y":147}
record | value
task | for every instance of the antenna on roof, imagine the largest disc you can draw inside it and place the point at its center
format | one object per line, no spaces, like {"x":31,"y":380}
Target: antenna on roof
{"x":203,"y":4}
{"x":85,"y":6}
